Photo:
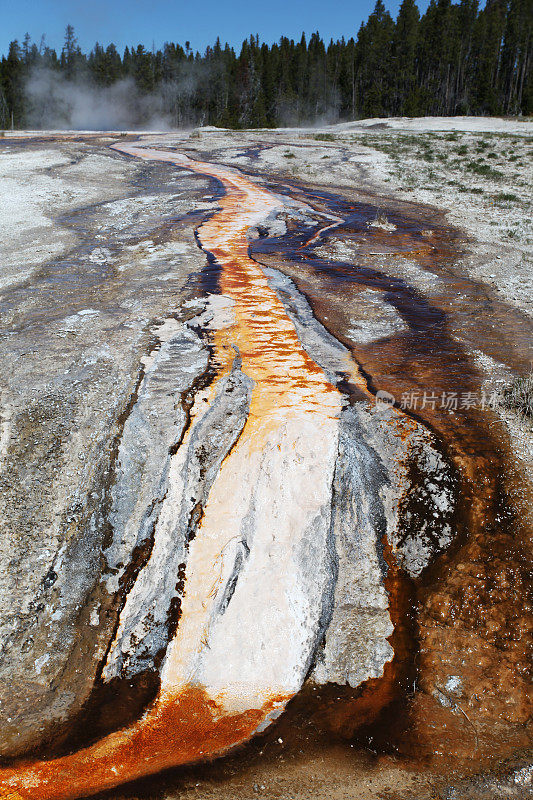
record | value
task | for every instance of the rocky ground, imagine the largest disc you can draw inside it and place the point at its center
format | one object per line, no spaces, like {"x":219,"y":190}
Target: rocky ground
{"x":99,"y":252}
{"x":88,"y":269}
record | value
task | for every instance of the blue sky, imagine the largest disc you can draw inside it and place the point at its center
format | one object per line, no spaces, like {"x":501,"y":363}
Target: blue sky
{"x":156,"y":21}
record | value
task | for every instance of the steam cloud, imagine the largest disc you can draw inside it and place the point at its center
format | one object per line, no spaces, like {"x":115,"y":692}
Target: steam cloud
{"x":57,"y":103}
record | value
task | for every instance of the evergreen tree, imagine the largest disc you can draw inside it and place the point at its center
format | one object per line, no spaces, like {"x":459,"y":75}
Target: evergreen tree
{"x":374,"y":63}
{"x":404,"y":44}
{"x":13,"y":86}
{"x":516,"y":53}
{"x":488,"y":35}
{"x":70,"y":54}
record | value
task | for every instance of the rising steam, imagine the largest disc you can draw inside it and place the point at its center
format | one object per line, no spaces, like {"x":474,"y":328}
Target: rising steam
{"x":55,"y":102}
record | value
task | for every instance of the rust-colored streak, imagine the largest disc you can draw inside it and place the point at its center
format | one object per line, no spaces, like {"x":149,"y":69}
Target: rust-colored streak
{"x":185,"y":723}
{"x":285,"y":376}
{"x":177,"y":729}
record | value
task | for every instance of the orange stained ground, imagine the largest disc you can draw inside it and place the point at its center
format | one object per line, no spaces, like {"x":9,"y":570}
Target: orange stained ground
{"x":185,"y":724}
{"x":285,"y":376}
{"x":176,"y":729}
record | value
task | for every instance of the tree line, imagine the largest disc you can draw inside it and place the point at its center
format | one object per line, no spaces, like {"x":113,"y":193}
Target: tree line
{"x":456,"y":58}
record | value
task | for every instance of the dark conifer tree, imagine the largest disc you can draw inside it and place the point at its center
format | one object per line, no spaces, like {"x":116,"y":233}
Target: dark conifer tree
{"x":13,"y":87}
{"x":404,"y":100}
{"x":70,"y":54}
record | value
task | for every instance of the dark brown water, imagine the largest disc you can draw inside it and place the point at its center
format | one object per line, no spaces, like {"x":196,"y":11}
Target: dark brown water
{"x":432,"y":354}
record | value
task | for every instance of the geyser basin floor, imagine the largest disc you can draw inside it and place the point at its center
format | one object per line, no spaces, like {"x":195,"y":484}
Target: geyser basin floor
{"x":290,"y":432}
{"x":451,"y":714}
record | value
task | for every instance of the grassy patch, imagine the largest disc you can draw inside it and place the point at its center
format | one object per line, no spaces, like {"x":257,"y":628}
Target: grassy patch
{"x":506,"y":197}
{"x":324,"y":137}
{"x":462,"y":150}
{"x":398,"y":145}
{"x":289,"y":155}
{"x":518,"y":395}
{"x":409,"y":140}
{"x":485,"y":170}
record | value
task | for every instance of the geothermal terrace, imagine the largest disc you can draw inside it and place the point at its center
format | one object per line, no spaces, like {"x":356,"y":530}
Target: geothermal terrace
{"x":266,"y":516}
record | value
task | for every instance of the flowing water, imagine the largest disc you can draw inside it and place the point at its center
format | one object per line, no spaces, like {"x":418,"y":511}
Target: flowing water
{"x":187,"y":722}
